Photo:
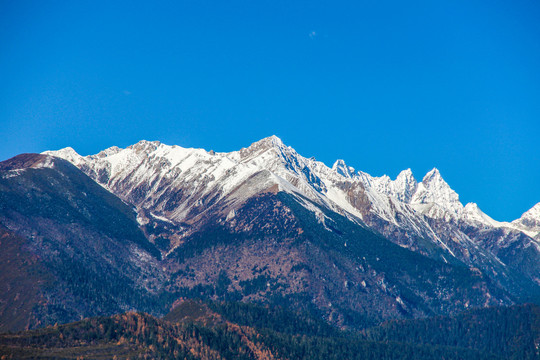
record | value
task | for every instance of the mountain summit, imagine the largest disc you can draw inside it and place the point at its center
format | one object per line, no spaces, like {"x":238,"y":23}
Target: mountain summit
{"x":182,"y":184}
{"x":145,"y":174}
{"x":148,"y":225}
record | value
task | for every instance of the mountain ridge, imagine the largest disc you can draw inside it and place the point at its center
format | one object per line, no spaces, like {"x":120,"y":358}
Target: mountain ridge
{"x":262,"y":224}
{"x":432,"y":196}
{"x":185,"y":185}
{"x":339,"y":166}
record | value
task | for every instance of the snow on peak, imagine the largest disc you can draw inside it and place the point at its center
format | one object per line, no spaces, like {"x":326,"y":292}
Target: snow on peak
{"x":471,"y":207}
{"x":341,"y":168}
{"x":275,"y":140}
{"x":145,"y":146}
{"x":533,"y":213}
{"x":433,"y":175}
{"x":66,"y":153}
{"x":271,"y":154}
{"x":435,"y":198}
{"x":268,"y":142}
{"x":150,"y":161}
{"x":271,"y":143}
{"x":530,"y":220}
{"x":402,"y":188}
{"x":405,"y":186}
{"x":471,"y":212}
{"x":108,"y":152}
{"x":406,"y":174}
{"x":146,"y":142}
{"x":436,"y":185}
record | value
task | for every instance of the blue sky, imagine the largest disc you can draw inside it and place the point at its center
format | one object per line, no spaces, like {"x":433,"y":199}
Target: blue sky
{"x":385,"y":85}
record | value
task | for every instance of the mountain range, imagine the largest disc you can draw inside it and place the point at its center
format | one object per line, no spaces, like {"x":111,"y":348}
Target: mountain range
{"x":143,"y":227}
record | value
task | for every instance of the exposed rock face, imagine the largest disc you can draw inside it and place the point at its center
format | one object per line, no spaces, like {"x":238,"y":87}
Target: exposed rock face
{"x":274,"y":249}
{"x":183,"y":185}
{"x":259,"y":224}
{"x":529,"y":222}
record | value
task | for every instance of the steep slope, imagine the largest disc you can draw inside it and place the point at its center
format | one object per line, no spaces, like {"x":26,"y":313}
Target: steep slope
{"x":276,"y":251}
{"x":175,"y":189}
{"x":262,"y":224}
{"x":529,"y":222}
{"x":172,"y":185}
{"x":181,"y":185}
{"x":79,"y":245}
{"x":22,"y":281}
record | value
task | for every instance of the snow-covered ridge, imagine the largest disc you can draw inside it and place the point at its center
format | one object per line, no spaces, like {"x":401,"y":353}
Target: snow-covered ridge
{"x":179,"y":183}
{"x":432,"y":196}
{"x":529,"y":222}
{"x":148,"y":173}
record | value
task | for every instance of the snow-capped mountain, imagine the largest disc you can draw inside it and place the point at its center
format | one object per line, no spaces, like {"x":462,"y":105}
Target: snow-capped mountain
{"x":182,"y":186}
{"x":141,"y":227}
{"x":529,"y":222}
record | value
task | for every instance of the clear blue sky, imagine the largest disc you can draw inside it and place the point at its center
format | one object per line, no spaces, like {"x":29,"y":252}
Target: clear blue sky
{"x":385,"y":85}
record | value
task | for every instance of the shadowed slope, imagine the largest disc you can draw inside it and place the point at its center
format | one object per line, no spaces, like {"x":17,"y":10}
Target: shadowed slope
{"x":82,"y":235}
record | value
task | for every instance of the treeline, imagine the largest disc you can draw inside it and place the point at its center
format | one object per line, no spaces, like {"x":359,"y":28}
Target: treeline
{"x":512,"y":332}
{"x":220,"y":330}
{"x":126,"y":336}
{"x":274,"y":318}
{"x":317,"y":348}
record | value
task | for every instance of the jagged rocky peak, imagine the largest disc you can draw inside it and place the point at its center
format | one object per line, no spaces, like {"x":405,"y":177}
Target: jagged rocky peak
{"x":262,"y":146}
{"x":471,"y":212}
{"x":434,"y":190}
{"x":109,"y":151}
{"x":272,"y":142}
{"x":406,"y":176}
{"x":432,"y":175}
{"x":276,"y":141}
{"x":268,"y":143}
{"x":530,"y":219}
{"x":435,"y":182}
{"x":471,"y":208}
{"x":343,"y":169}
{"x":67,"y":153}
{"x":269,"y":152}
{"x":145,"y":146}
{"x":405,"y":185}
{"x":533,"y":213}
